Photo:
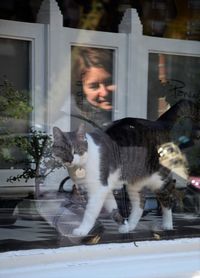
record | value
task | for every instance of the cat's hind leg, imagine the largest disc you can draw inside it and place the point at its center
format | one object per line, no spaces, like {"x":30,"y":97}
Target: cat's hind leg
{"x":165,"y":197}
{"x":167,"y":218}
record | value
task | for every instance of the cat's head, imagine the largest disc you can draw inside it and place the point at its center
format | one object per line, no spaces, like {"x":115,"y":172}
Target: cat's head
{"x":70,"y":148}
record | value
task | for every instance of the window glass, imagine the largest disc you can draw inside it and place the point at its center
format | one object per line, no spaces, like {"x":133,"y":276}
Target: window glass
{"x":84,"y":179}
{"x":92,"y":85}
{"x":167,"y":84}
{"x":15,"y":99}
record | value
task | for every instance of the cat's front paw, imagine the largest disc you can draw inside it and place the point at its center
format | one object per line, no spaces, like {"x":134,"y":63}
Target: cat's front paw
{"x":124,"y":228}
{"x":80,"y":232}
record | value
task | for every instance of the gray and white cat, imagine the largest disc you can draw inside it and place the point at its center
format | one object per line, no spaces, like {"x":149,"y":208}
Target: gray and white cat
{"x":125,"y":154}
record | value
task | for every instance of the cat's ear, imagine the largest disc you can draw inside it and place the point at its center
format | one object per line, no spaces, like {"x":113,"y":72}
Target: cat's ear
{"x":81,"y":132}
{"x":57,"y":133}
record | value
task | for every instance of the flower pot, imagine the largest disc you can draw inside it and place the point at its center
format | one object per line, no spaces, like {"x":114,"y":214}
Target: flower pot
{"x":7,"y":210}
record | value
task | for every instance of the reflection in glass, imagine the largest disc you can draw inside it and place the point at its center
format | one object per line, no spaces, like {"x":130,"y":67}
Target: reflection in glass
{"x":170,"y":79}
{"x":92,"y":85}
{"x":14,"y":99}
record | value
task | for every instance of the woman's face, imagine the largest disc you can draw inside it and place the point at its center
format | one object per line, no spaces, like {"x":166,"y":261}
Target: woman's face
{"x":98,"y":88}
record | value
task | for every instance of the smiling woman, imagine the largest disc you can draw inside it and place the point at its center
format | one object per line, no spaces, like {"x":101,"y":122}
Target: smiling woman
{"x":98,"y":88}
{"x":92,"y":84}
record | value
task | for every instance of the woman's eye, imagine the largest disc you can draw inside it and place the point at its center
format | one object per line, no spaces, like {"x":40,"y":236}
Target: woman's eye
{"x":108,"y":82}
{"x":94,"y":86}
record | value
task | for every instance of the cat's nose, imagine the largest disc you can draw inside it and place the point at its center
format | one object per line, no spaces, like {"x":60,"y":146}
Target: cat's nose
{"x":69,"y":162}
{"x":70,"y":159}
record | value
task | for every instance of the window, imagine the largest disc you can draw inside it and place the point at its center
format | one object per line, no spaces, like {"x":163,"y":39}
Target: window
{"x":140,"y":77}
{"x":16,"y":98}
{"x":168,"y":84}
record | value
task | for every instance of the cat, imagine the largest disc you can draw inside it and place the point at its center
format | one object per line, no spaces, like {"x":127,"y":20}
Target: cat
{"x":126,"y":153}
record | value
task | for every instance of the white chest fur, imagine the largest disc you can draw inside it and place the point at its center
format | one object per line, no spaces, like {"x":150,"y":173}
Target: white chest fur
{"x":92,"y":166}
{"x":86,"y":172}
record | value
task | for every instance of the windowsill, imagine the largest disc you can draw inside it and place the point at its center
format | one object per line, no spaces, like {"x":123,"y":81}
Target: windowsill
{"x":167,"y":258}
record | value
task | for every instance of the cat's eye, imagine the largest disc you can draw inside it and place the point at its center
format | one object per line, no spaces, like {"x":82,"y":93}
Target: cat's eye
{"x":78,"y":152}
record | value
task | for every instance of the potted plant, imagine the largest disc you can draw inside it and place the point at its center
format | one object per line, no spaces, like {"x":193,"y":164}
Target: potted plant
{"x":22,"y":147}
{"x":37,"y":148}
{"x":39,"y":159}
{"x":14,"y":115}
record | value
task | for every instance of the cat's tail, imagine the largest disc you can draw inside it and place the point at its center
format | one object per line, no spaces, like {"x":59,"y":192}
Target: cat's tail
{"x":182,"y":109}
{"x":182,"y":120}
